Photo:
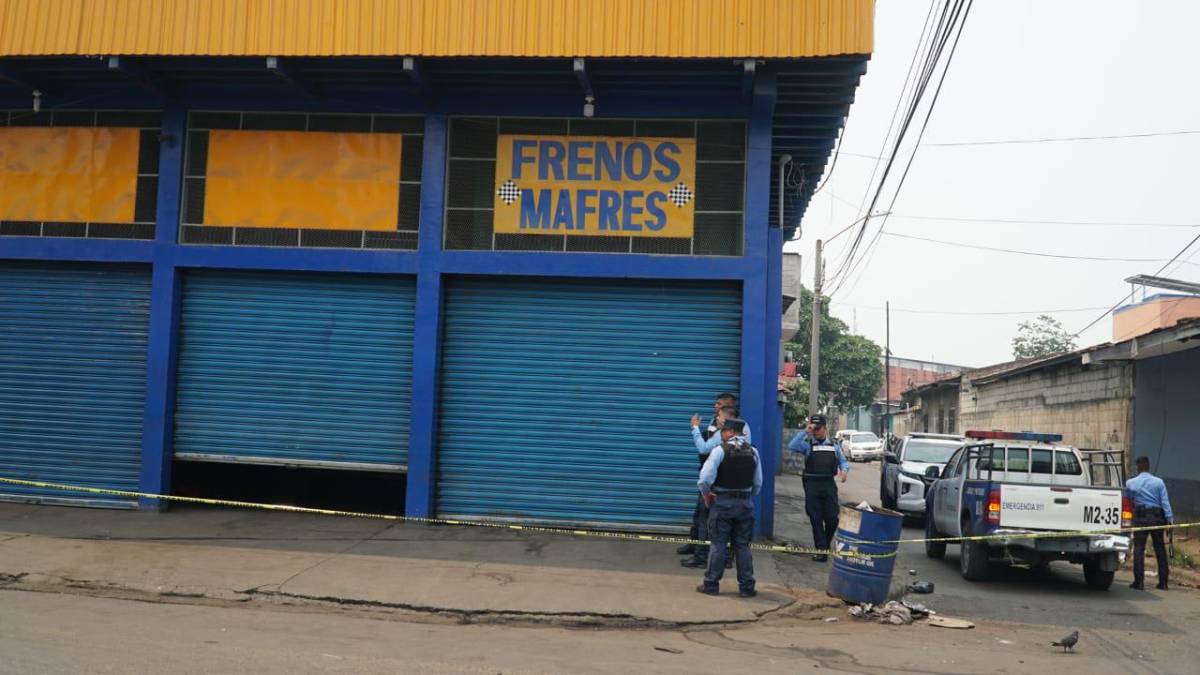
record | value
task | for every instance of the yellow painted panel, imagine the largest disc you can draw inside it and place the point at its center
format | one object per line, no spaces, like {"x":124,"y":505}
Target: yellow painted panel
{"x":307,"y":179}
{"x":595,"y":185}
{"x":68,"y":174}
{"x":658,"y":28}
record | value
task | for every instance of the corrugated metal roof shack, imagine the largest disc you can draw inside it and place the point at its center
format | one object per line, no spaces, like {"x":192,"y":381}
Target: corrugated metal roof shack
{"x":454,"y":239}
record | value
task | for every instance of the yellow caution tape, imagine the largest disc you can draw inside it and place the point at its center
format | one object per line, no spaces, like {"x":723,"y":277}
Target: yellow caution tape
{"x":772,"y":548}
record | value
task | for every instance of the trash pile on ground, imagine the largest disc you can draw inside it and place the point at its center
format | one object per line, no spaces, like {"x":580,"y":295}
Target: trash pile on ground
{"x":903,"y":613}
{"x":897,"y":613}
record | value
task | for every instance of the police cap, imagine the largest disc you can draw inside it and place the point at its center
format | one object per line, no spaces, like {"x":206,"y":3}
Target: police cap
{"x":817,"y":420}
{"x":734,"y":424}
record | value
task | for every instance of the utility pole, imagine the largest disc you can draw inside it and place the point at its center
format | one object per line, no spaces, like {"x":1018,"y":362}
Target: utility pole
{"x":814,"y":383}
{"x":887,"y":370}
{"x":814,"y":360}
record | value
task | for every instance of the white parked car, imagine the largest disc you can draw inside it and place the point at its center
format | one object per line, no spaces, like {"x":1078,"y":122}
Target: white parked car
{"x":843,"y":435}
{"x":903,"y":479}
{"x":862,"y":446}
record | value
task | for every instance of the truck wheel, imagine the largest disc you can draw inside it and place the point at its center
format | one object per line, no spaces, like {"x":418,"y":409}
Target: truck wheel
{"x":1097,"y":578}
{"x":885,"y":501}
{"x":973,"y":556}
{"x":933,"y":549}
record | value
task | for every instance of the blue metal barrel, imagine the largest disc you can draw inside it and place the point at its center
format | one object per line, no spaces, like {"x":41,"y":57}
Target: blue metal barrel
{"x":857,"y":578}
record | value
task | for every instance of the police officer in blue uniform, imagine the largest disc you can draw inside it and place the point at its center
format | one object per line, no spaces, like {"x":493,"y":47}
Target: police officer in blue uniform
{"x":700,"y":512}
{"x":705,"y":441}
{"x":1151,"y":507}
{"x":823,"y":461}
{"x":731,"y":476}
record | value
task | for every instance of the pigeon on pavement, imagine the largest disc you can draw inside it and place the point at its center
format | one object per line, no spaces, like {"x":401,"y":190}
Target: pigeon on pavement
{"x":1067,"y":642}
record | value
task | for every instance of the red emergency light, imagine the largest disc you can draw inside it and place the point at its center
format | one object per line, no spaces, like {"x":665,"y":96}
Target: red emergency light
{"x":1015,"y":436}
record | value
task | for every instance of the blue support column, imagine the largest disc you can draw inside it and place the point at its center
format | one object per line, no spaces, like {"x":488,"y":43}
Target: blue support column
{"x":758,"y":390}
{"x":773,"y":414}
{"x":158,"y":419}
{"x":427,"y":339}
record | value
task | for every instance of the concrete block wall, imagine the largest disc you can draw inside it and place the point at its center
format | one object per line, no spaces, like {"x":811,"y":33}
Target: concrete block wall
{"x":1091,"y":406}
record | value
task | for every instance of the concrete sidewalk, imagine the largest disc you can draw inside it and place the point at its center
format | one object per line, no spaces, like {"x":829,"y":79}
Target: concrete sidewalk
{"x":464,"y":573}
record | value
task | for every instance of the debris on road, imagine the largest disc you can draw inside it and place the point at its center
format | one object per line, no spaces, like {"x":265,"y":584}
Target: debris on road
{"x":669,"y":650}
{"x":912,"y":573}
{"x":831,"y":619}
{"x":949,"y":622}
{"x":921,"y":587}
{"x":895,"y":613}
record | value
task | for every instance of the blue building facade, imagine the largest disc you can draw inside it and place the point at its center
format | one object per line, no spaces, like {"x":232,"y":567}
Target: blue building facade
{"x":529,"y":377}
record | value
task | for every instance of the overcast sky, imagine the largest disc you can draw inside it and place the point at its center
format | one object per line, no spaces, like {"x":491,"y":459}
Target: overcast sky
{"x":1024,"y":69}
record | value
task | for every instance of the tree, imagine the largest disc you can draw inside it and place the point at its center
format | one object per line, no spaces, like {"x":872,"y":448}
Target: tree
{"x":795,"y":406}
{"x":851,"y":373}
{"x":1042,"y":336}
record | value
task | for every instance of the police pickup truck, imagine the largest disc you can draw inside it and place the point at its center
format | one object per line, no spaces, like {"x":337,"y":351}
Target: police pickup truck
{"x":1013,"y":484}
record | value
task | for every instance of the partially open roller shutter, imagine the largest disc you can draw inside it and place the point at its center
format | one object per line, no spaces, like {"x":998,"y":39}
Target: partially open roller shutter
{"x":295,"y":369}
{"x":568,"y":401}
{"x":72,"y":378}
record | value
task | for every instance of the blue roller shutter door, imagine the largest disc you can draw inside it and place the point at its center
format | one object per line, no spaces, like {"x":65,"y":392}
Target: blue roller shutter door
{"x":568,"y":401}
{"x":295,"y":369}
{"x":72,"y":378}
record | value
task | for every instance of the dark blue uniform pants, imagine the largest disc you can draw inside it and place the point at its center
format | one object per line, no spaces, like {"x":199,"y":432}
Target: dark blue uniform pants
{"x":699,"y":531}
{"x":730,"y":519}
{"x":821,"y":504}
{"x":1149,"y":518}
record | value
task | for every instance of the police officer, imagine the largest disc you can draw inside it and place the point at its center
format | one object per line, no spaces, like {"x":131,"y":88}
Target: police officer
{"x":704,"y":446}
{"x":723,"y":400}
{"x":732,"y":474}
{"x":700,"y":512}
{"x":1150,"y":507}
{"x":823,"y":461}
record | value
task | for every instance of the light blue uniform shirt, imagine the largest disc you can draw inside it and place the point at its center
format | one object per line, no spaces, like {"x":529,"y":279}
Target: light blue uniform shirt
{"x":704,"y":447}
{"x":802,"y":445}
{"x":1148,"y":490}
{"x":708,"y":473}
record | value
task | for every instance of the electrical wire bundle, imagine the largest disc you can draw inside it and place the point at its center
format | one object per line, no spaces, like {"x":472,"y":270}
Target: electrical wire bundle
{"x":936,"y":34}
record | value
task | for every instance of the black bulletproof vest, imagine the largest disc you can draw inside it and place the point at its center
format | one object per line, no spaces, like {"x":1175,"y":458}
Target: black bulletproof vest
{"x":737,"y":468}
{"x":821,"y":462}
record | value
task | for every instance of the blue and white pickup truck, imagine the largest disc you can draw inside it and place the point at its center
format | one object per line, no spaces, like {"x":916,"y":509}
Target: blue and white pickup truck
{"x":1010,"y":485}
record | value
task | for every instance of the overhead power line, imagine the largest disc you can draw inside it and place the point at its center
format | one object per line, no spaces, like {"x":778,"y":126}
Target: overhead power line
{"x":1022,"y":221}
{"x":1066,"y":139}
{"x":1038,"y":254}
{"x":949,"y":23}
{"x":1049,"y":139}
{"x":957,"y":20}
{"x":1023,"y":312}
{"x":1128,"y":296}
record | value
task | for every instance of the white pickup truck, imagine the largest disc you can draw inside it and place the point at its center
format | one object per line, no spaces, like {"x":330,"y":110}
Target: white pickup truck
{"x":1012,"y":485}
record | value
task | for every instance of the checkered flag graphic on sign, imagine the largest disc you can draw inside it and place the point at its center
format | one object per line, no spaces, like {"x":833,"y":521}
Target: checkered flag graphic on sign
{"x":680,"y":194}
{"x":508,"y":192}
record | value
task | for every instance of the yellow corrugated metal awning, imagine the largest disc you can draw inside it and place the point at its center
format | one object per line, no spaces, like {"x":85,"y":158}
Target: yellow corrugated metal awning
{"x":510,"y":28}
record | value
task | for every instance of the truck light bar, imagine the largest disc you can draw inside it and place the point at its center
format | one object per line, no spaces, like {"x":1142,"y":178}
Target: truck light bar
{"x":1016,"y":436}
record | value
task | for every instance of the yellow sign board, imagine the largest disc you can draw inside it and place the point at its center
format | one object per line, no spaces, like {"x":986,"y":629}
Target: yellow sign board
{"x":303,"y":179}
{"x":68,"y":174}
{"x":595,"y":185}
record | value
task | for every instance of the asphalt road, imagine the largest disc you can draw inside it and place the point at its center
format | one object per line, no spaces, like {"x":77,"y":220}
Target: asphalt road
{"x":44,"y":633}
{"x":1056,"y":598}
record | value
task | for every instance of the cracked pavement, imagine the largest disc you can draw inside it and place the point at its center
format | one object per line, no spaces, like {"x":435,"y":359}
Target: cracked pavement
{"x":201,"y":590}
{"x":461,"y":574}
